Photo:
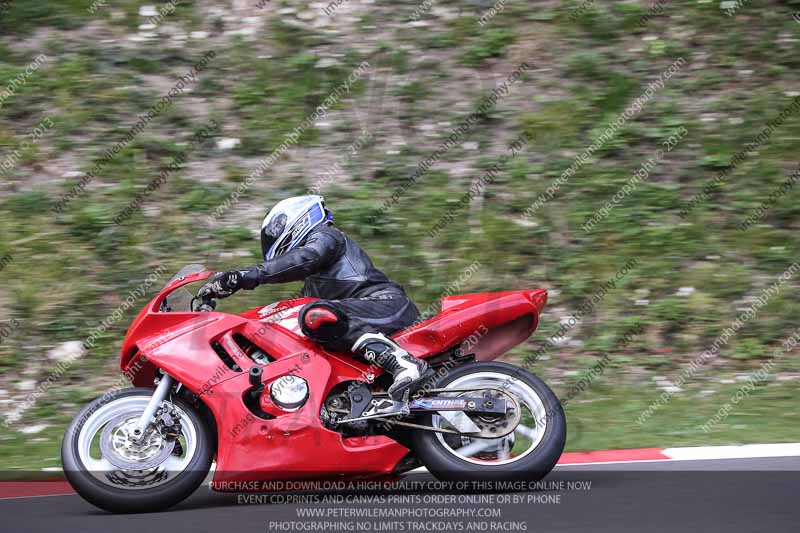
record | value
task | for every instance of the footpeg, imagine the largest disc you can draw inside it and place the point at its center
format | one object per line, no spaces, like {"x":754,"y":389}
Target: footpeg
{"x":387,"y":407}
{"x":406,"y":409}
{"x":382,"y":408}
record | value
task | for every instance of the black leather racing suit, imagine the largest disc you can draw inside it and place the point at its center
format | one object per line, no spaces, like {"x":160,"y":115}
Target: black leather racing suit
{"x":340,"y":273}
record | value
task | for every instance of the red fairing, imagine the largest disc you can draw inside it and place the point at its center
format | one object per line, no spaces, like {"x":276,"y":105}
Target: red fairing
{"x":474,"y":315}
{"x":187,"y":345}
{"x":293,"y":445}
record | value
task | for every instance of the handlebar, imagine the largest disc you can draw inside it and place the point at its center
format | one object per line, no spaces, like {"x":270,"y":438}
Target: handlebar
{"x":203,"y":304}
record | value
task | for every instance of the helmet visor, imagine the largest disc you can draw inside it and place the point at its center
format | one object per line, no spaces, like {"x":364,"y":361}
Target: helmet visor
{"x":271,"y":232}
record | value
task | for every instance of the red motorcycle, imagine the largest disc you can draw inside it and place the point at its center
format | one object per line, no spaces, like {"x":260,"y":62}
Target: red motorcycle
{"x":269,"y":404}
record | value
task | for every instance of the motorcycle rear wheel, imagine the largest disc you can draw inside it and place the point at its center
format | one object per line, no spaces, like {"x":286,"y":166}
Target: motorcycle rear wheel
{"x":527,"y":454}
{"x":150,"y":489}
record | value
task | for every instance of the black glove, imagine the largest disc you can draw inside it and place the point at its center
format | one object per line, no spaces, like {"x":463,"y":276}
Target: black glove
{"x":222,"y":285}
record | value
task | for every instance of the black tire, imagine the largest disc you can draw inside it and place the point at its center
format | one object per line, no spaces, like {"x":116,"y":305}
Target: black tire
{"x":448,"y":467}
{"x":141,"y":500}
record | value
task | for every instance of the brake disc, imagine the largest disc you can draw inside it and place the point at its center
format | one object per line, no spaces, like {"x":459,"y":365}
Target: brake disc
{"x":121,"y":450}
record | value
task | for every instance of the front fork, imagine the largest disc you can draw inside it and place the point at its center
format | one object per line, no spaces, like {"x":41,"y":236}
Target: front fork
{"x":159,"y":396}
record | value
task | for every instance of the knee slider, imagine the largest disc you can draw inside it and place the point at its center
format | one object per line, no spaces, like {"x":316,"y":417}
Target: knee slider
{"x":316,"y":317}
{"x":322,"y":321}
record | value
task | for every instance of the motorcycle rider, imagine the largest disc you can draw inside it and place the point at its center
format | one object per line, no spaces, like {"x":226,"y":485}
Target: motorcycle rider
{"x":358,"y":306}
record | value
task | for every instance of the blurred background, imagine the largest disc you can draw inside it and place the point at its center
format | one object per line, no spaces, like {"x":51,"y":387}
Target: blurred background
{"x":138,"y":137}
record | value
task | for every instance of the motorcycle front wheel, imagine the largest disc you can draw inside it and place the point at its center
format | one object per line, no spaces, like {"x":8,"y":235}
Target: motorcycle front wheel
{"x":116,"y":473}
{"x":528,"y":453}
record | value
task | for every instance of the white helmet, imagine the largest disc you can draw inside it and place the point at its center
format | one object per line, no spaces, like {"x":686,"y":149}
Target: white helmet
{"x":289,"y":222}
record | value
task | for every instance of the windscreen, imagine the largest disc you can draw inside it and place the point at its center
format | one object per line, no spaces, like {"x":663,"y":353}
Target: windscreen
{"x":181,"y":299}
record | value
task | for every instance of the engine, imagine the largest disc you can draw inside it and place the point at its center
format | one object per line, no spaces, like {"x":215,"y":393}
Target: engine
{"x":346,"y":400}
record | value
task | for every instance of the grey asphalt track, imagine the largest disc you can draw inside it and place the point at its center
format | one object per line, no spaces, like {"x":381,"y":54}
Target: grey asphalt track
{"x":729,"y":495}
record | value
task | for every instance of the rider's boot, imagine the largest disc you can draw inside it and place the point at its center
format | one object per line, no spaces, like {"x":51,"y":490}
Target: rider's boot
{"x":409,"y":373}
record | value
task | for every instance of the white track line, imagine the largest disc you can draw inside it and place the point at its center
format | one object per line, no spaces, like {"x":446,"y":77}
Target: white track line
{"x":744,"y":451}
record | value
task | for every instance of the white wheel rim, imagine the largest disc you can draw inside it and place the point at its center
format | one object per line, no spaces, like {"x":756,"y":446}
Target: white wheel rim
{"x":529,"y":400}
{"x":102,"y":469}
